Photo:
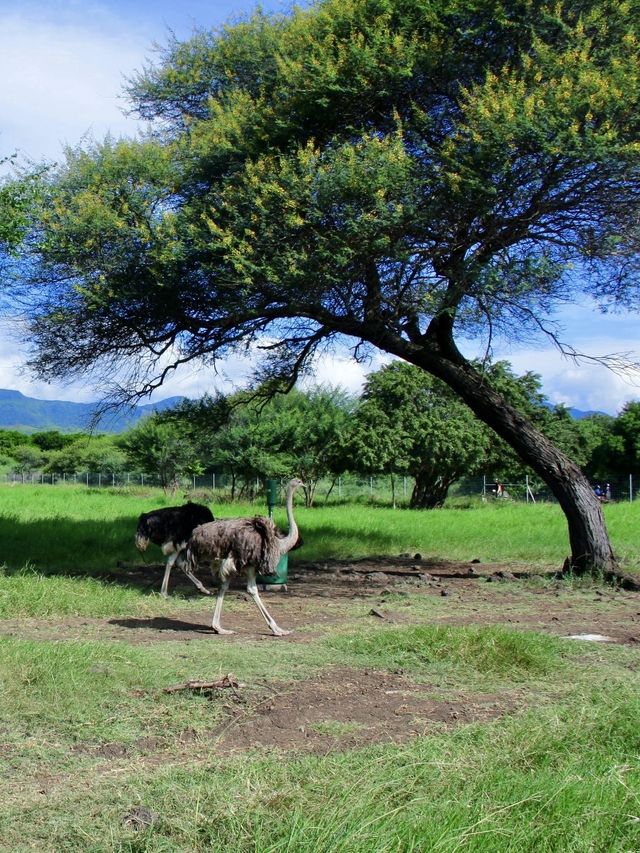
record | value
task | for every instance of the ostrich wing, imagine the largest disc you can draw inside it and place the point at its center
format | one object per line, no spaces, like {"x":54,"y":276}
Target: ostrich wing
{"x":249,"y":541}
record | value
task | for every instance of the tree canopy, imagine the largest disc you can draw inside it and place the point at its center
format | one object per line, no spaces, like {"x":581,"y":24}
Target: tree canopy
{"x":386,"y":173}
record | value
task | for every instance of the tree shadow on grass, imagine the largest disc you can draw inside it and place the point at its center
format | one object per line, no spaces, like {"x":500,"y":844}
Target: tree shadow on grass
{"x":325,"y":542}
{"x":105,"y":551}
{"x":102,"y":550}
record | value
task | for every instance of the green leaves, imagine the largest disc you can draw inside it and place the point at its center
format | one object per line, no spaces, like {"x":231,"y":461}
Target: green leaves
{"x":410,"y":423}
{"x":19,"y":197}
{"x":161,"y":448}
{"x":358,"y":168}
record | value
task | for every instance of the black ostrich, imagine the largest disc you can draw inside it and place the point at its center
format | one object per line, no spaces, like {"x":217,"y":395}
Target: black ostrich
{"x":170,"y":527}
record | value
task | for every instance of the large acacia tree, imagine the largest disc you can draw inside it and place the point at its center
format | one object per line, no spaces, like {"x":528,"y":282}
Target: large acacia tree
{"x":393,"y":174}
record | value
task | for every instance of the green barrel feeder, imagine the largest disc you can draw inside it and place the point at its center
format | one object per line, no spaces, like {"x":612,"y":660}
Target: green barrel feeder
{"x":280,"y":578}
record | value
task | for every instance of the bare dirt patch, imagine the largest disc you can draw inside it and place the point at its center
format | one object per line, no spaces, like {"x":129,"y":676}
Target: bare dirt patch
{"x":348,"y":708}
{"x":344,"y":708}
{"x":407,"y":589}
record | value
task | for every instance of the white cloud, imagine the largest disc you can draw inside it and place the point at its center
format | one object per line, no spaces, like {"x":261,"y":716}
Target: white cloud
{"x":61,"y":81}
{"x":587,"y":385}
{"x":344,"y":372}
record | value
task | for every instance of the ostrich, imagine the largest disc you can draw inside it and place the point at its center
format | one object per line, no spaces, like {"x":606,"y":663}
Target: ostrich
{"x":170,"y":527}
{"x":234,"y":544}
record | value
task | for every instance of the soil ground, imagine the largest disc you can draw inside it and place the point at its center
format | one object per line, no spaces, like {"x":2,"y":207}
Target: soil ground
{"x":343,"y":707}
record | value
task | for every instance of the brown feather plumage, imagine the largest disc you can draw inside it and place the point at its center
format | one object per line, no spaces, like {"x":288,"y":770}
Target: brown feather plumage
{"x":249,"y":541}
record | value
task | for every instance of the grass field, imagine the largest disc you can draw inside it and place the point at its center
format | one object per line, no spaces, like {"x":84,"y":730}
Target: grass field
{"x":490,"y":735}
{"x":64,"y":529}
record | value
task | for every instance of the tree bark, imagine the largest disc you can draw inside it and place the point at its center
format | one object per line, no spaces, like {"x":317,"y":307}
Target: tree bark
{"x":591,"y":550}
{"x":429,"y":491}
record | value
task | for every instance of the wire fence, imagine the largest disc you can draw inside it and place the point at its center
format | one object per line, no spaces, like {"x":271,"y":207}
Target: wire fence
{"x":383,"y":489}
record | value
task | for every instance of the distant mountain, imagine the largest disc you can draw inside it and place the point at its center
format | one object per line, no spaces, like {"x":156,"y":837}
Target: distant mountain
{"x":578,"y":414}
{"x":28,"y":414}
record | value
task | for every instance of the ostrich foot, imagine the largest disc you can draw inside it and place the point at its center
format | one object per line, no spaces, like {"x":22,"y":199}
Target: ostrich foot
{"x":280,"y":632}
{"x":218,"y":629}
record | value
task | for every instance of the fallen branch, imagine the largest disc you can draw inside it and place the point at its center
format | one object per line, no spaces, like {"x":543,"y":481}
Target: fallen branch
{"x":229,"y":681}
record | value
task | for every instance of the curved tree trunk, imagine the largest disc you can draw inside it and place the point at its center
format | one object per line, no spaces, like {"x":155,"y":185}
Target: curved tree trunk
{"x":589,"y":541}
{"x":436,"y":352}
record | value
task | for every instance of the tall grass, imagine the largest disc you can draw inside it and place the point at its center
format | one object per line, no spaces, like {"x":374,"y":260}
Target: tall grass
{"x":563,"y":775}
{"x":535,"y":783}
{"x":467,"y":652}
{"x":29,"y":593}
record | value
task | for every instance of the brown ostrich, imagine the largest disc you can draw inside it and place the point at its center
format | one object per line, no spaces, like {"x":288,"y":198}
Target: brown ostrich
{"x":170,"y":527}
{"x":242,"y":544}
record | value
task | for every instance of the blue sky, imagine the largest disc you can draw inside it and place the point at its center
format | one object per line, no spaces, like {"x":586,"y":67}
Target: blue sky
{"x":62,"y":68}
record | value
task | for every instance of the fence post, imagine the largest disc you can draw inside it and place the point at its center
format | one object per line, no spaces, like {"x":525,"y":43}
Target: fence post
{"x":630,"y":488}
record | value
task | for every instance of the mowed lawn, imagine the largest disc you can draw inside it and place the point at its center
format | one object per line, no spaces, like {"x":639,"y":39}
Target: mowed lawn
{"x":97,"y":756}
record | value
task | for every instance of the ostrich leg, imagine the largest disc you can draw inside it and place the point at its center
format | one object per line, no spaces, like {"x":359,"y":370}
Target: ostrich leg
{"x":195,"y":580}
{"x":173,"y":556}
{"x":252,"y":589}
{"x":164,"y":589}
{"x":225,"y":569}
{"x":215,"y":622}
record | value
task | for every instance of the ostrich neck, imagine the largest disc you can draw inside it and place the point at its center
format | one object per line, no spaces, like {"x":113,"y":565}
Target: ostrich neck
{"x":287,"y":543}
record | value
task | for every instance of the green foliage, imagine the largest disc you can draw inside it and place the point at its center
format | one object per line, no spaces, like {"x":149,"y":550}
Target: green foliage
{"x":99,"y":454}
{"x":356,"y":168}
{"x":18,"y":199}
{"x":301,"y":432}
{"x":252,"y":438}
{"x":525,"y":394}
{"x":10,"y":439}
{"x":53,"y":440}
{"x":618,"y":454}
{"x":408,"y":422}
{"x":372,"y":173}
{"x":28,"y":458}
{"x":159,"y":447}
